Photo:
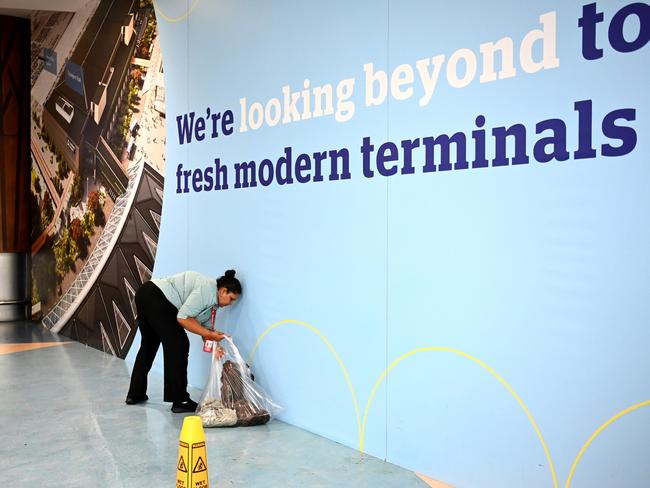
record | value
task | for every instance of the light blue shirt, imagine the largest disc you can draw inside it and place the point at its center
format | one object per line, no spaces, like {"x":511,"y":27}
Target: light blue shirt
{"x":192,"y":293}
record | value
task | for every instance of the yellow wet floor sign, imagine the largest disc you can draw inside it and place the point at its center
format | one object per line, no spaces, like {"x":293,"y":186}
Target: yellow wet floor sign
{"x":192,"y":467}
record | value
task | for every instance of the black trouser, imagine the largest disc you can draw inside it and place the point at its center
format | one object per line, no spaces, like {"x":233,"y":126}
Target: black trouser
{"x":157,"y":323}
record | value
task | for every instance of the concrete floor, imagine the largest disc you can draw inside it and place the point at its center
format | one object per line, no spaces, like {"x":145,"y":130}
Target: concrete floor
{"x":65,"y":424}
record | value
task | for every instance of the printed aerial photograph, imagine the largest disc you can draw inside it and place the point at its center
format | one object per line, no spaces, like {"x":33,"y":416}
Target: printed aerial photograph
{"x":97,"y":146}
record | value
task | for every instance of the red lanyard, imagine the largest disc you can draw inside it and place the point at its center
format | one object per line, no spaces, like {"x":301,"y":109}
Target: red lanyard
{"x":208,"y":344}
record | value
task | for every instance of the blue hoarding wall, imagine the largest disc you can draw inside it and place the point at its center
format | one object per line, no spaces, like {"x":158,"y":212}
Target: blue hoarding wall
{"x":439,"y":214}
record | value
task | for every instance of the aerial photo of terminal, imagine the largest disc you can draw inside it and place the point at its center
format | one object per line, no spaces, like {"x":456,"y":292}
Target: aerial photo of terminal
{"x":97,"y":139}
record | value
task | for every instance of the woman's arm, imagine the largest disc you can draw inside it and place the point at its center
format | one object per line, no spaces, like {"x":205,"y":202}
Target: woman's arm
{"x":192,"y":325}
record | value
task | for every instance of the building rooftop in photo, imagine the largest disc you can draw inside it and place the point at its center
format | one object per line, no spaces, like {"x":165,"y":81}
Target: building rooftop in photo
{"x":100,"y":49}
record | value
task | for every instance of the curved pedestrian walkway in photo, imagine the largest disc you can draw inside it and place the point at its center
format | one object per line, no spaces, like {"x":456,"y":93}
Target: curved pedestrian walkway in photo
{"x":57,"y":317}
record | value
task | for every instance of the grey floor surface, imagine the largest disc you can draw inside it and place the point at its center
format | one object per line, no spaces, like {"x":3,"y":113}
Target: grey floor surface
{"x":65,"y":424}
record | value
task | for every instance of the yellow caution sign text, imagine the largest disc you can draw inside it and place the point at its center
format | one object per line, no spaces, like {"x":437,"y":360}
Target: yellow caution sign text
{"x":192,"y":465}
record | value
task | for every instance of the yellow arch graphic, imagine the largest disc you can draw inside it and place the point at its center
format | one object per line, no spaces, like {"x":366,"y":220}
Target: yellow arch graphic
{"x":598,"y":432}
{"x":385,"y":373}
{"x":484,"y":366}
{"x":159,"y":11}
{"x":329,"y":346}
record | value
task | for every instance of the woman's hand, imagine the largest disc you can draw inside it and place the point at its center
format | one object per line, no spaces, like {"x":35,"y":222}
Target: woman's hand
{"x":215,"y":335}
{"x":192,"y":325}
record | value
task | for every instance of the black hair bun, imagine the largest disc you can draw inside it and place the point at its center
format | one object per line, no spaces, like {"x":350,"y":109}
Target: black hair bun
{"x":230,"y":273}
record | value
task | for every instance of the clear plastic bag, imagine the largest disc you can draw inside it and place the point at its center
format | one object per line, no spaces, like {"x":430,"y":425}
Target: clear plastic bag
{"x":231,"y":397}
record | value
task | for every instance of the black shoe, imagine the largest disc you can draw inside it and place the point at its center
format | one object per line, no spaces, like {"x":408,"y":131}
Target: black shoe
{"x":133,"y":400}
{"x":185,"y":406}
